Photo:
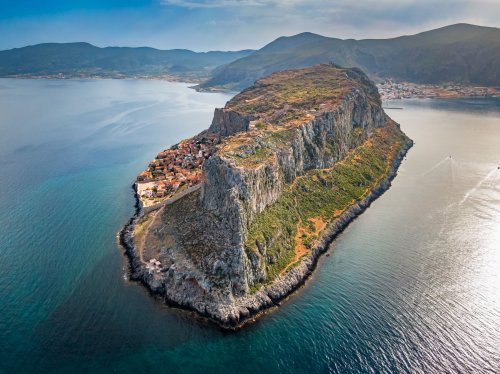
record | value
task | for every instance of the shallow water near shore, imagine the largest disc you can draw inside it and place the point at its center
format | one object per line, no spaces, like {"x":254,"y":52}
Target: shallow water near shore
{"x":411,"y":286}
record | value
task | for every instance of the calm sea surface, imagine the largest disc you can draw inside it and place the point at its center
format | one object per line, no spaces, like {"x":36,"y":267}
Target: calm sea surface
{"x":413,"y":285}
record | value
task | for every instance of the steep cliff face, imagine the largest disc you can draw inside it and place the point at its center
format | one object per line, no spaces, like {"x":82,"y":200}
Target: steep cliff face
{"x":228,"y":123}
{"x":317,"y":144}
{"x":213,"y":257}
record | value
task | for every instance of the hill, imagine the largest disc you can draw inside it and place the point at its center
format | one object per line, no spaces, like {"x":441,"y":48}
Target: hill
{"x":296,"y":157}
{"x":459,"y":53}
{"x":83,"y":59}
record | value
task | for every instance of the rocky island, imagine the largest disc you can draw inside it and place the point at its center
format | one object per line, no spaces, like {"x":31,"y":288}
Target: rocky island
{"x":246,"y":208}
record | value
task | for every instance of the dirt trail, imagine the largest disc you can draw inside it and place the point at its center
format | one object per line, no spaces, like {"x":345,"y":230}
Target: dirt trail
{"x":300,"y":248}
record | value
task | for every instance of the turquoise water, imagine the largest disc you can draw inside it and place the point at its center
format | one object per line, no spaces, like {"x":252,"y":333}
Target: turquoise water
{"x":412,"y":285}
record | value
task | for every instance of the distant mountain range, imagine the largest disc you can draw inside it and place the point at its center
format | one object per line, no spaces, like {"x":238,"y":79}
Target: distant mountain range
{"x":458,"y":53}
{"x":84,"y":59}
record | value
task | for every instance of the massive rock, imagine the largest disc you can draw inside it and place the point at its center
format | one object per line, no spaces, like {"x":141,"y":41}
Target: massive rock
{"x":228,"y":123}
{"x":200,"y":238}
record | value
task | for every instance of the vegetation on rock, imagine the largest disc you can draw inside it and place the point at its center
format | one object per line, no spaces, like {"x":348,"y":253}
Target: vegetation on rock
{"x":285,"y":100}
{"x":315,"y":199}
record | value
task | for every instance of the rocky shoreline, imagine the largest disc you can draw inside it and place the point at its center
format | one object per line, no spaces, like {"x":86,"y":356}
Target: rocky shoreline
{"x":126,"y":240}
{"x":251,"y":306}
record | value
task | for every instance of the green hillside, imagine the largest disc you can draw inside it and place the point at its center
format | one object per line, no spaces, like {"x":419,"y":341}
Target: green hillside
{"x":457,"y":53}
{"x":75,"y":59}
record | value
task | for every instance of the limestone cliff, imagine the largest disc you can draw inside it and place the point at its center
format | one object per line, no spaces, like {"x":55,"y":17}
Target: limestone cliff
{"x":228,"y":123}
{"x":304,"y":152}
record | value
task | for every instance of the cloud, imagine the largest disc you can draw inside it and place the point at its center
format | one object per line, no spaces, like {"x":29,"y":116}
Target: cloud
{"x":240,"y":24}
{"x":343,"y":18}
{"x":321,"y":4}
{"x":193,"y":4}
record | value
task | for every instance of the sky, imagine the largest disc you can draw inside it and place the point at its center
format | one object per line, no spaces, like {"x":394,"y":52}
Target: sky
{"x":203,"y":25}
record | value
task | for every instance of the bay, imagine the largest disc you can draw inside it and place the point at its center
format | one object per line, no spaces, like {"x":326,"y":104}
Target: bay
{"x":411,"y":286}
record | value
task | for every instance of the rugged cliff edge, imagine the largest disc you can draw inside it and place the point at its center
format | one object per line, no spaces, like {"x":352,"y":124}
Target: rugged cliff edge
{"x":303,"y":152}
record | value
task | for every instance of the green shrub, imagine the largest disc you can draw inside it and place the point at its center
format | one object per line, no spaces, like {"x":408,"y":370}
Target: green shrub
{"x":320,"y":193}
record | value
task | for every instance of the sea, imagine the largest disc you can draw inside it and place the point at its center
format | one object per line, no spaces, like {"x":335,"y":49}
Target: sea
{"x":411,"y":286}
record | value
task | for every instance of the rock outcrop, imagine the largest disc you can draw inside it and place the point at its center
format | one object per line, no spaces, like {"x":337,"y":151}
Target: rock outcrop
{"x":282,"y":129}
{"x":228,"y":123}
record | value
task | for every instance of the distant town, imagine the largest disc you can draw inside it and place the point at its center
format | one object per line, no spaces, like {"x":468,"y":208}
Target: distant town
{"x":185,"y":78}
{"x":390,"y":90}
{"x":175,"y":169}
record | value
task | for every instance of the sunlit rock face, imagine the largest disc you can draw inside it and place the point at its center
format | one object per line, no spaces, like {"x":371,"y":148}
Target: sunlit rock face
{"x":228,"y":123}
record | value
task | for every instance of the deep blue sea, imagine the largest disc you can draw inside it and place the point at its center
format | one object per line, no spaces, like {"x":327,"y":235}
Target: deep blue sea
{"x":413,"y":285}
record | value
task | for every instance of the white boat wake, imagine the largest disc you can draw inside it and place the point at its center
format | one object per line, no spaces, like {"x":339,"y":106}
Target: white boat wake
{"x":437,"y":165}
{"x":472,"y":190}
